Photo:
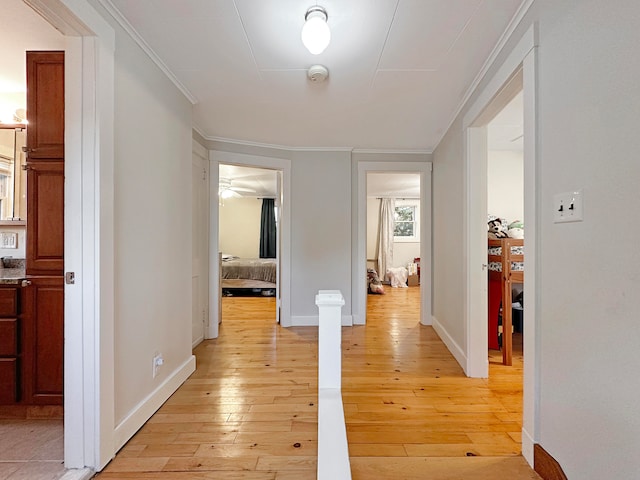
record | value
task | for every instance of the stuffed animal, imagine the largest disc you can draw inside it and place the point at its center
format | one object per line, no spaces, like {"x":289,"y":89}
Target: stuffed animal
{"x":496,"y":229}
{"x":516,"y":229}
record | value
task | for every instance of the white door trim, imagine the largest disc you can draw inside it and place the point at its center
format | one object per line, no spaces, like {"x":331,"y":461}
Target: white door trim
{"x":217,"y":157}
{"x":359,"y":277}
{"x":523,"y":56}
{"x":89,"y":303}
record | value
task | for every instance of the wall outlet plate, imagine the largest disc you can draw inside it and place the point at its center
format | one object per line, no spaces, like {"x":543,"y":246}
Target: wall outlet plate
{"x":568,"y":207}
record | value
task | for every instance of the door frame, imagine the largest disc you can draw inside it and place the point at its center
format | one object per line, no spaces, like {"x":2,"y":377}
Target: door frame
{"x":359,"y":277}
{"x":89,"y":249}
{"x":216,"y":158}
{"x":522,"y":59}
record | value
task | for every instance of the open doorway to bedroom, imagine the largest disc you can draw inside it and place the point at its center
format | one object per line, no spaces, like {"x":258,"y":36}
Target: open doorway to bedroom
{"x":248,"y":240}
{"x":393,"y":244}
{"x":505,"y":213}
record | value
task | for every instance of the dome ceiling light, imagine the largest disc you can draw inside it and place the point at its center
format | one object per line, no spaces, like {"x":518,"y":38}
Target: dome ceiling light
{"x":316,"y":34}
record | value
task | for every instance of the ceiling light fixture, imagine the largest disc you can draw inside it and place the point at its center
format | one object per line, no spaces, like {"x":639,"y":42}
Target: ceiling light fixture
{"x":316,"y":34}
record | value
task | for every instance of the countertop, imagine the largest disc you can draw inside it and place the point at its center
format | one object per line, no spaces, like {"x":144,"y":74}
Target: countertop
{"x":12,"y":276}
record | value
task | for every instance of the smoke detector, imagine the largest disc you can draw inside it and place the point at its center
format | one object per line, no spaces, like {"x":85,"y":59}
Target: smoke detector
{"x":318,"y":73}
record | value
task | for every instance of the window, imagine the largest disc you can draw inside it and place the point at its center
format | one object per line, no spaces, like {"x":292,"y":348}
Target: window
{"x":406,"y":215}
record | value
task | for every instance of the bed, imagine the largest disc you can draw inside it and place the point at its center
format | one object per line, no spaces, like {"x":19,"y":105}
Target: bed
{"x":506,"y":267}
{"x":258,"y":269}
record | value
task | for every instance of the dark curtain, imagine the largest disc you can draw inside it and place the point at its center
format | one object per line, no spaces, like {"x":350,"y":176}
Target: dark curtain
{"x":268,"y":229}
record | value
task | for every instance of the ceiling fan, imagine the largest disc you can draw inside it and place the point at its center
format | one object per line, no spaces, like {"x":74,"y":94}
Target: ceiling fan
{"x":227,"y":190}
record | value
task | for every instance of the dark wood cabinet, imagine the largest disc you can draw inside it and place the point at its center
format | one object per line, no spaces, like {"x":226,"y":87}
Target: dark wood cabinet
{"x":45,"y":218}
{"x":43,"y":350}
{"x":45,"y":105}
{"x":10,"y":348}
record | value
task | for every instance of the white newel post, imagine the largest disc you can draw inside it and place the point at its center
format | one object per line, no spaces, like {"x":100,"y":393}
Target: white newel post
{"x":330,"y":304}
{"x":333,"y":449}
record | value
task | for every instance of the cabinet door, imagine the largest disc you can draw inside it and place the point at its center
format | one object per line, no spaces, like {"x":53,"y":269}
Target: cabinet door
{"x":45,"y":105}
{"x":45,"y":218}
{"x":8,"y":381}
{"x":43,"y":320}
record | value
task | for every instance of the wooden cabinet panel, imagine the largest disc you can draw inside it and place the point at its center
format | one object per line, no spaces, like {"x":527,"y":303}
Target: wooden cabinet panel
{"x":45,"y":105}
{"x":43,"y":317}
{"x":8,"y":380}
{"x":8,"y":337}
{"x":8,"y":302}
{"x":45,"y":218}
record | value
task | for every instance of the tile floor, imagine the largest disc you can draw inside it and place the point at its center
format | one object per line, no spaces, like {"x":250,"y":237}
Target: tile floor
{"x":31,"y":449}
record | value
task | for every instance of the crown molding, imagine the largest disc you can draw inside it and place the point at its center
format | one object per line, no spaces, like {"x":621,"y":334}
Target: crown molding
{"x":287,"y":148}
{"x":124,"y":23}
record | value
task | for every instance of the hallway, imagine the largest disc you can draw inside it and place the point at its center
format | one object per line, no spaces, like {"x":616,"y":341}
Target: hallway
{"x":249,"y":411}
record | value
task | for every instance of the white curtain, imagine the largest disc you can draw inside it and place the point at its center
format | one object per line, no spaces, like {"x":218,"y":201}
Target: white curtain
{"x":385,"y":236}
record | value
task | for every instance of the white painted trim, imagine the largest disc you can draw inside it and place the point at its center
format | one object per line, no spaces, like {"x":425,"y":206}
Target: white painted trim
{"x":527,"y":446}
{"x":89,"y":320}
{"x":217,"y":157}
{"x":359,"y":245}
{"x":377,"y":151}
{"x":78,"y":474}
{"x":197,"y":342}
{"x":522,"y":56}
{"x":284,"y":148}
{"x":313,"y":321}
{"x":152,"y":402}
{"x":452,"y":345}
{"x":136,"y":37}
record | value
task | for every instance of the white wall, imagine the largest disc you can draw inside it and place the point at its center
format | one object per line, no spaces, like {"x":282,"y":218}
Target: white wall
{"x":588,"y":326}
{"x":321,"y":229}
{"x":153,"y":232}
{"x":20,"y":251}
{"x":240,"y":227}
{"x":505,"y":184}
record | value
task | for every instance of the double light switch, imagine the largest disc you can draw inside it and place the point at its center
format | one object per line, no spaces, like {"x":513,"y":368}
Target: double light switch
{"x":567,"y":207}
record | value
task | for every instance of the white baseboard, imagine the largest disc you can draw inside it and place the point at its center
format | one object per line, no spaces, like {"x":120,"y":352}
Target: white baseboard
{"x":198,"y":341}
{"x":312,"y":321}
{"x":78,"y":474}
{"x":454,"y":348}
{"x":147,"y":407}
{"x":527,"y":447}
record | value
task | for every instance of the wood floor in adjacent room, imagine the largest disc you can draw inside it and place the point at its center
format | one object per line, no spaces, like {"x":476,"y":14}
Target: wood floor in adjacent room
{"x":249,"y":411}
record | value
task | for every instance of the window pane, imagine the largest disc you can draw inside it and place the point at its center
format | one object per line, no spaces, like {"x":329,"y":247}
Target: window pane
{"x":405,"y":213}
{"x":403,"y":229}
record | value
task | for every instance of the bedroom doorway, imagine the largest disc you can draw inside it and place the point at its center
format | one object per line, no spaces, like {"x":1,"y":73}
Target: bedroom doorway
{"x":420,"y":171}
{"x":517,"y":73}
{"x":505,"y":209}
{"x":393,"y":241}
{"x":249,"y":216}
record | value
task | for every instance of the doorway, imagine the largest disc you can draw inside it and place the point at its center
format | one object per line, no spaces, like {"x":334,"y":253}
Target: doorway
{"x":393,"y":238}
{"x":360,"y":283}
{"x":517,"y":73}
{"x":260,"y":165}
{"x":248,"y":223}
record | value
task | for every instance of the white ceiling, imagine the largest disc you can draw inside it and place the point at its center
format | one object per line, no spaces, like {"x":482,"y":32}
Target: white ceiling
{"x":393,"y":185}
{"x":399,"y":69}
{"x":260,"y":182}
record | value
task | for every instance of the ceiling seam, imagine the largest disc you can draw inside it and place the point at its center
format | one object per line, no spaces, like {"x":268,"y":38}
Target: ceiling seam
{"x":244,"y":30}
{"x":464,"y":28}
{"x":384,"y":45}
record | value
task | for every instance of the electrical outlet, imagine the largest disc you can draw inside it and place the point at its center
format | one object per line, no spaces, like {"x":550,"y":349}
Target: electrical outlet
{"x":158,"y":361}
{"x":567,"y":207}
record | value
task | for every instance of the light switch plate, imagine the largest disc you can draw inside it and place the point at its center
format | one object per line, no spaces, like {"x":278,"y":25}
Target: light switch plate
{"x":8,"y":240}
{"x":568,"y":207}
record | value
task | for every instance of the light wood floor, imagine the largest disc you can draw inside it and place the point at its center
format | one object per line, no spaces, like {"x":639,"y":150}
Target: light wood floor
{"x":249,"y":411}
